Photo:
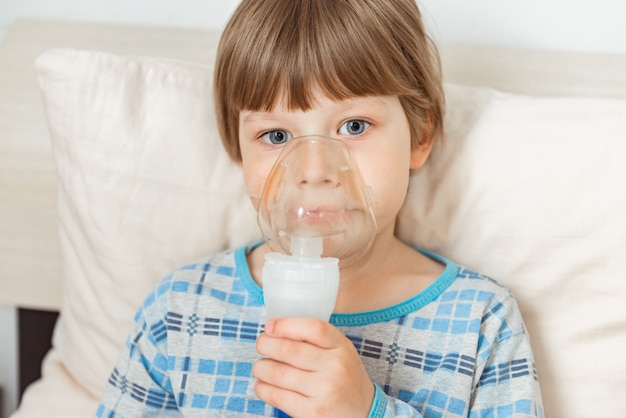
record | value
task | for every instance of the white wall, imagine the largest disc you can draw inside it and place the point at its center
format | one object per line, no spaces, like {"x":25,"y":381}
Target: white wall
{"x":552,"y":24}
{"x":186,"y":13}
{"x":575,"y":25}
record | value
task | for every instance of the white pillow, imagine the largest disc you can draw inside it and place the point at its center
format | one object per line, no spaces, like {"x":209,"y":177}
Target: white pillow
{"x":145,"y":186}
{"x":525,"y":189}
{"x":531,"y":191}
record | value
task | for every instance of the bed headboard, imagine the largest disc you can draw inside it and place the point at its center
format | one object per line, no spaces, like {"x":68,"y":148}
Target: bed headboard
{"x":29,"y":216}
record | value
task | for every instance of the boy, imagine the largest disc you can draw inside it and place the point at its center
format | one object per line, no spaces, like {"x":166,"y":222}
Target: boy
{"x":412,"y":334}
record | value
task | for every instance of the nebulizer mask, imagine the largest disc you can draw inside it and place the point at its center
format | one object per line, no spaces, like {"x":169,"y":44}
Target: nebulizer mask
{"x":315,"y":213}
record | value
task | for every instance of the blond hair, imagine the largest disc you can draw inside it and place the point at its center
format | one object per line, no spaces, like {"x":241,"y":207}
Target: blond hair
{"x":291,"y":49}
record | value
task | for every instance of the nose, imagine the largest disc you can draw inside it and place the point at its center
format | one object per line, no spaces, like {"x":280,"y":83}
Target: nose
{"x":318,"y":166}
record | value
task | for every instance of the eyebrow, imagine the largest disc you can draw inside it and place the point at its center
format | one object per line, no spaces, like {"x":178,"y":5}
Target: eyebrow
{"x":257,"y":116}
{"x":370,"y":102}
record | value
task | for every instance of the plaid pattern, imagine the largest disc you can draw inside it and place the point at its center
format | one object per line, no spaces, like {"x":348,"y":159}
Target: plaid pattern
{"x":457,"y":349}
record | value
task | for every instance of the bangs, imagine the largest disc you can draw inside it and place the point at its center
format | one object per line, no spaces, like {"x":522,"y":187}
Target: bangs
{"x":291,"y":52}
{"x":317,"y":50}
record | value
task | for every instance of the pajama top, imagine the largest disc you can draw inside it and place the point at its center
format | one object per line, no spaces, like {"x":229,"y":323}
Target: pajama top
{"x":457,"y":349}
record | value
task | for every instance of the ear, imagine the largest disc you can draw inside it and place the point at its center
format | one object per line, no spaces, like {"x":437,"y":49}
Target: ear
{"x":420,"y":153}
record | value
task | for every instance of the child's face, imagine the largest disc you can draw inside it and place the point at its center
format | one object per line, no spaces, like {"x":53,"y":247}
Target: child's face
{"x":375,"y":129}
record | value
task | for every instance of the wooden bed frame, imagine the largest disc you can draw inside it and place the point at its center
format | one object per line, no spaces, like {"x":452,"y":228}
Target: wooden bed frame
{"x":35,"y":330}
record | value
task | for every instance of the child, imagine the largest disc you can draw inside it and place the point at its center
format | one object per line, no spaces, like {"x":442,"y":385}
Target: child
{"x":412,"y":334}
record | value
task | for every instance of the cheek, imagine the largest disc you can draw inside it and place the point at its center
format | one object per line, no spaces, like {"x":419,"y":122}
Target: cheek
{"x":390,"y":186}
{"x":389,"y":180}
{"x":254,"y":176}
{"x":257,"y":167}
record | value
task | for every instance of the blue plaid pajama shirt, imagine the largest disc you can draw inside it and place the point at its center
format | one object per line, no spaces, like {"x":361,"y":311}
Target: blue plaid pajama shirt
{"x":457,"y":349}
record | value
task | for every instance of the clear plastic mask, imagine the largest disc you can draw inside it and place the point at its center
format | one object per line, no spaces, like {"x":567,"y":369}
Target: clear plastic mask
{"x":314,"y":202}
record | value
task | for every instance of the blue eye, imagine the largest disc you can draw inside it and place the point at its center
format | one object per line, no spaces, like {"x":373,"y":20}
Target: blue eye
{"x":277,"y":137}
{"x":353,"y":127}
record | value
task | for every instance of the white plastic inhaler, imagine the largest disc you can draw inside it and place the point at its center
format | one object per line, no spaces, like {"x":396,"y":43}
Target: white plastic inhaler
{"x":315,"y":214}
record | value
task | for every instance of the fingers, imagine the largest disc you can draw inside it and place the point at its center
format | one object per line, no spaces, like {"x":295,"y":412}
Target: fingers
{"x":281,"y":375}
{"x":310,"y":330}
{"x":299,"y":354}
{"x":304,"y":343}
{"x":272,"y":395}
{"x":294,"y":404}
{"x":284,"y":387}
{"x":305,"y":394}
{"x":309,"y":368}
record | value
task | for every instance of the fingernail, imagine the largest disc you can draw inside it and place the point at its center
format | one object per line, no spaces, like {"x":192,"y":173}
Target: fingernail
{"x":269,"y":326}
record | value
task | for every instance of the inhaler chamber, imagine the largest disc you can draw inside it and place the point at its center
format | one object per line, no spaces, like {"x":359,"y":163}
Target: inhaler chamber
{"x":314,"y":202}
{"x":315,"y":214}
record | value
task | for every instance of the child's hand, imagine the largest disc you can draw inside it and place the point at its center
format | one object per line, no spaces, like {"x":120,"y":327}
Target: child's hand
{"x":311,"y":369}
